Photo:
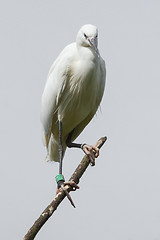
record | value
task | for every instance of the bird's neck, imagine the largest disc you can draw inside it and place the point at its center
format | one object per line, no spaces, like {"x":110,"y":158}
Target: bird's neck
{"x":87,"y":53}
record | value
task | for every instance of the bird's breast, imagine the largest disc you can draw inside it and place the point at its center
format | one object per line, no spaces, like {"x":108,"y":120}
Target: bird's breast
{"x":79,"y":96}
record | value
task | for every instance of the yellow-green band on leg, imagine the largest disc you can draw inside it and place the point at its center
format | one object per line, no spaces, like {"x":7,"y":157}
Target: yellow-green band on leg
{"x":60,"y":177}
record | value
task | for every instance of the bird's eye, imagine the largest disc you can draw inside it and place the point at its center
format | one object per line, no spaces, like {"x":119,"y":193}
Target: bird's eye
{"x":85,"y":35}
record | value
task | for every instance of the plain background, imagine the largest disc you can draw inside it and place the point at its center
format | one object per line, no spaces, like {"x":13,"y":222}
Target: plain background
{"x":119,"y":199}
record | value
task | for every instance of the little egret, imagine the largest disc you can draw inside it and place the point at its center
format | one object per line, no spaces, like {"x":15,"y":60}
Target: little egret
{"x":71,"y":97}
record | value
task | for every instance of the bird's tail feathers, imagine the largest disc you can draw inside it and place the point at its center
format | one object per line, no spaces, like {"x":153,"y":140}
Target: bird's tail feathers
{"x":53,"y":154}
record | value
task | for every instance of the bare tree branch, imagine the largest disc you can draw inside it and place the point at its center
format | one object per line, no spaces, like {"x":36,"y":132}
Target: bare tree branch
{"x":47,"y":213}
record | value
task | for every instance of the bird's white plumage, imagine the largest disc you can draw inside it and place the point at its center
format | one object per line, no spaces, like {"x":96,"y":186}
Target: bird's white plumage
{"x":73,"y":90}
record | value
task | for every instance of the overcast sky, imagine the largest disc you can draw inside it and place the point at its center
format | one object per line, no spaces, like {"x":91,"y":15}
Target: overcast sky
{"x":125,"y":204}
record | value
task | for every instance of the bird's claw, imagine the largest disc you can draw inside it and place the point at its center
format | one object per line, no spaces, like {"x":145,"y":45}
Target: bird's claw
{"x":92,"y":152}
{"x":74,"y":187}
{"x":72,"y":184}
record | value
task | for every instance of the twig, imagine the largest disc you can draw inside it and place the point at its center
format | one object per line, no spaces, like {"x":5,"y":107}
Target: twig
{"x":47,"y":213}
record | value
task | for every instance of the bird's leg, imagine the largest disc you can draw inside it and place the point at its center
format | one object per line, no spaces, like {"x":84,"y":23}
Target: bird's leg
{"x":60,"y":178}
{"x":91,"y":151}
{"x":60,"y":147}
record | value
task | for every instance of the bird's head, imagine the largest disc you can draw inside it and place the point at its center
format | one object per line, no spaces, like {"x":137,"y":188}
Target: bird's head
{"x":88,"y":37}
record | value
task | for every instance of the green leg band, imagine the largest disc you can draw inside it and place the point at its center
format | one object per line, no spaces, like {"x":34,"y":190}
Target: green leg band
{"x":60,"y":177}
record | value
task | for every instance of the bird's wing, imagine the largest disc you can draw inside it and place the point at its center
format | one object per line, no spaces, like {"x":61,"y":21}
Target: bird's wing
{"x":102,"y":80}
{"x":79,"y":128}
{"x":53,"y":89}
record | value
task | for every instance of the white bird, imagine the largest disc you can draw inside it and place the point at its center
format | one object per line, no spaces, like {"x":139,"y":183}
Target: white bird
{"x":72,"y":95}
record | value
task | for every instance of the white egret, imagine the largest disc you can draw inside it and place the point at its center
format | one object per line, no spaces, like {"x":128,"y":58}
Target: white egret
{"x":72,"y":95}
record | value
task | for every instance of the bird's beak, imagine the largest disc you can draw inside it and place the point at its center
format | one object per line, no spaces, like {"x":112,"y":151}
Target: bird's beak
{"x":93,"y":43}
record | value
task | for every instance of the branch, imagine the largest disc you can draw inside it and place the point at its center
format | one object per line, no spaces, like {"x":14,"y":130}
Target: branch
{"x":47,"y":213}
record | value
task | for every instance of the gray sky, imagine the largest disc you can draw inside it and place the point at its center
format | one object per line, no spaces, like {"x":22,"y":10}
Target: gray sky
{"x":125,"y":204}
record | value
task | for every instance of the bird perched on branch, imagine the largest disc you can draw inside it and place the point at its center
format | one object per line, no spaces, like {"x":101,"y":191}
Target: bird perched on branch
{"x":72,"y":95}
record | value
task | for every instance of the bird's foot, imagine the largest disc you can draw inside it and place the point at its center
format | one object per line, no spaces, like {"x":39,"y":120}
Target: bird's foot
{"x":91,"y":151}
{"x":63,"y":185}
{"x":72,"y":184}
